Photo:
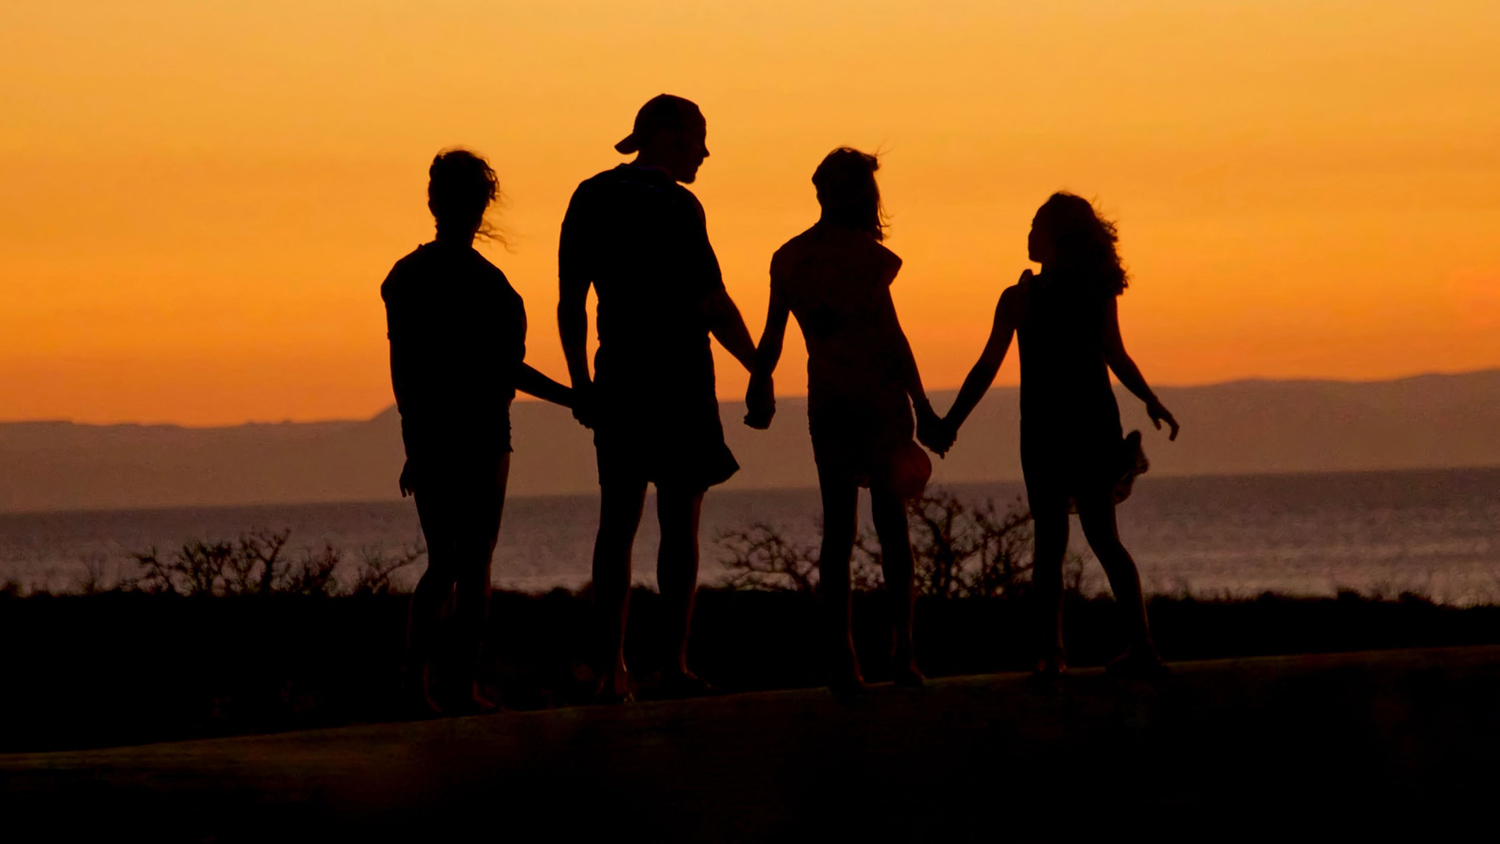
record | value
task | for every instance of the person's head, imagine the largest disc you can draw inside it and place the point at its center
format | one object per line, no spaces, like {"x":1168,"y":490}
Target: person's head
{"x":848,"y":193}
{"x":670,"y":133}
{"x":460,"y":188}
{"x":1069,"y":235}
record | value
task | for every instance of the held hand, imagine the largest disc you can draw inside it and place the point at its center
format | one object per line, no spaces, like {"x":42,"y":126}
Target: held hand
{"x":760,"y":402}
{"x":1160,"y":414}
{"x":933,"y":432}
{"x":583,"y":404}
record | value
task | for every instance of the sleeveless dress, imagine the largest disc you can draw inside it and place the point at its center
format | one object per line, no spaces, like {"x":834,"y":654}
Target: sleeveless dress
{"x":836,"y":282}
{"x":1070,"y":422}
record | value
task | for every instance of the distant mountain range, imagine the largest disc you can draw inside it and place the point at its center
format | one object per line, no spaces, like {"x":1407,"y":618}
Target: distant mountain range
{"x":1242,"y":427}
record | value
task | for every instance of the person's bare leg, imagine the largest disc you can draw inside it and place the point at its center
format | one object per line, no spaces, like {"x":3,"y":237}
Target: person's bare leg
{"x":1097,"y":516}
{"x":889,"y":513}
{"x":677,"y":512}
{"x":472,"y":599}
{"x":840,"y":521}
{"x":427,"y":600}
{"x":1050,"y":524}
{"x":619,"y":517}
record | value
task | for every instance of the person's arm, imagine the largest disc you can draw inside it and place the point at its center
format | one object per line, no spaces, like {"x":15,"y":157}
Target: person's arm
{"x":528,"y":380}
{"x":760,"y":398}
{"x":987,"y":367}
{"x":911,"y":378}
{"x":707,"y":286}
{"x":1129,"y":374}
{"x":403,"y":379}
{"x":573,"y":281}
{"x":407,"y":481}
{"x":728,"y":327}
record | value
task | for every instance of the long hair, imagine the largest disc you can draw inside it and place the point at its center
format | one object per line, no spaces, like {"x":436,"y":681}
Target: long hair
{"x":848,"y":193}
{"x":461,"y":186}
{"x":1083,"y":241}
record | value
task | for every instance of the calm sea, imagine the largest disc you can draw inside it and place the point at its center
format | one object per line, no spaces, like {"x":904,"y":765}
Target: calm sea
{"x":1436,"y":532}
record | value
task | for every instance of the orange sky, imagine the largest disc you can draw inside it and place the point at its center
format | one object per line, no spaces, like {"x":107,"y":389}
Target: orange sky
{"x":198,"y":201}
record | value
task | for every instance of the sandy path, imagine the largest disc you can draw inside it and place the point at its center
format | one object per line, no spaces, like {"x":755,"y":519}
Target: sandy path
{"x":1375,"y":740}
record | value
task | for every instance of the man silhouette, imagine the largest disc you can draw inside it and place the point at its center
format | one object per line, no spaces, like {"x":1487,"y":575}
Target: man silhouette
{"x":639,"y":237}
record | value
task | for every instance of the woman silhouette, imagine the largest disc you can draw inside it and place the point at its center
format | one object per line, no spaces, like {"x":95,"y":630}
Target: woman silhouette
{"x":458,"y":342}
{"x":1072,"y":453}
{"x":862,"y":384}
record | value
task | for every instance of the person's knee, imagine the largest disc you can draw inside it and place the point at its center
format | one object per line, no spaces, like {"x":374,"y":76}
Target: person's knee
{"x":439,"y":576}
{"x":1103,"y":538}
{"x":614,"y":538}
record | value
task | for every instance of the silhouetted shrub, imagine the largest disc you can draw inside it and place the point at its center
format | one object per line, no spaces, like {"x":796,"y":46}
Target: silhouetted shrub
{"x":255,"y":564}
{"x":760,"y":558}
{"x":377,"y":568}
{"x":961,"y":550}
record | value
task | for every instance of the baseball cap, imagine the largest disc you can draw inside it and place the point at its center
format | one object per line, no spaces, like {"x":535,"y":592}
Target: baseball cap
{"x":662,"y":111}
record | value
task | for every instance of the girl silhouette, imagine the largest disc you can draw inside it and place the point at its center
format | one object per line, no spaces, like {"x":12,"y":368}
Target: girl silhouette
{"x":862,"y":384}
{"x":458,"y":342}
{"x":1072,"y":453}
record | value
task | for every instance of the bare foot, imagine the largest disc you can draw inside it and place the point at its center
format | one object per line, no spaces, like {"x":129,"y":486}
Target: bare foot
{"x":478,"y":703}
{"x":416,"y":696}
{"x":907,"y":674}
{"x":684,"y":684}
{"x":1050,"y":666}
{"x":847,"y":685}
{"x":615,"y":687}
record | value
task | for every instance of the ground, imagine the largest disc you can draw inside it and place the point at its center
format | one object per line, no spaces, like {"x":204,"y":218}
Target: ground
{"x":1354,"y":742}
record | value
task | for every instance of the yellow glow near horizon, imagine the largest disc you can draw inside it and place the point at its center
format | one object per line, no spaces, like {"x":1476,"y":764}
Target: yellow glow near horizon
{"x":198,"y":201}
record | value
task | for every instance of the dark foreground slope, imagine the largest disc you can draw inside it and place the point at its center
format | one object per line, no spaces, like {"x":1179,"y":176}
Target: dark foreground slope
{"x":1399,"y":743}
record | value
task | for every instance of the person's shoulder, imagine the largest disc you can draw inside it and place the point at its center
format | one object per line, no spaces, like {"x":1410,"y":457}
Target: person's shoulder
{"x":793,"y":251}
{"x":597,"y":185}
{"x":682,"y":191}
{"x":797,"y":244}
{"x":487,"y":268}
{"x":491,"y":277}
{"x":603,"y":177}
{"x":1013,"y":298}
{"x":403,"y":271}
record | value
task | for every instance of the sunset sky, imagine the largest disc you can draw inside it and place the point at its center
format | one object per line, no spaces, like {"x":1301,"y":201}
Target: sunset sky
{"x":198,"y":201}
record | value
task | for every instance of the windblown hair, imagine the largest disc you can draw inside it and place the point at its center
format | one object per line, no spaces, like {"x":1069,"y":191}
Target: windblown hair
{"x":460,"y":188}
{"x":1083,"y":241}
{"x":848,"y":193}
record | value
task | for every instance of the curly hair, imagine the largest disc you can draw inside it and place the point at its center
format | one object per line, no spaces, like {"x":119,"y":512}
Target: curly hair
{"x":460,"y":188}
{"x":1083,"y":241}
{"x":848,"y":193}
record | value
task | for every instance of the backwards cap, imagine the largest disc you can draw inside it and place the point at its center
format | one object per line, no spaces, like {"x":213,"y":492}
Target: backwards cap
{"x":662,"y":111}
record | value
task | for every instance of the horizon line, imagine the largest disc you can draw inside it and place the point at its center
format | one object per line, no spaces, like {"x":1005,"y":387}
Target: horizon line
{"x":531,"y":400}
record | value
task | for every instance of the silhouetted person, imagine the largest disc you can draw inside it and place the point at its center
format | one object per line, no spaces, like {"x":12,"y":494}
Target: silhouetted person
{"x":639,"y":238}
{"x":862,"y":384}
{"x":1072,"y":452}
{"x":458,"y":339}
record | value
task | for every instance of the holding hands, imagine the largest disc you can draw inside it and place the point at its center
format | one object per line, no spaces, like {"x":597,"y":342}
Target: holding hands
{"x":583,"y":403}
{"x":933,"y":431}
{"x":760,"y":401}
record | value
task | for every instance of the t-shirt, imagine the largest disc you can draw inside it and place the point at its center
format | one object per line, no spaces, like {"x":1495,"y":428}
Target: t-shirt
{"x":641,"y":239}
{"x":458,"y":337}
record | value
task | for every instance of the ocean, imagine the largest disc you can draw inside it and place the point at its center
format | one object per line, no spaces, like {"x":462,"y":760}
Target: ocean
{"x":1435,"y":532}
